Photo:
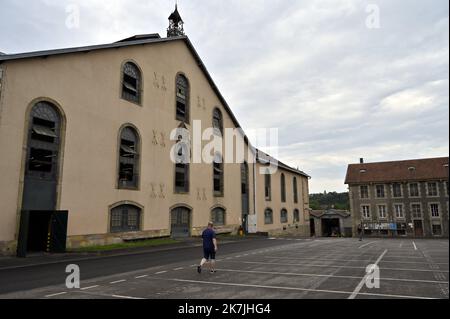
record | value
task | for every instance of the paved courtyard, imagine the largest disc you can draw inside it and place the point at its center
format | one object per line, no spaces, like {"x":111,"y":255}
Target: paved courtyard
{"x":291,"y":268}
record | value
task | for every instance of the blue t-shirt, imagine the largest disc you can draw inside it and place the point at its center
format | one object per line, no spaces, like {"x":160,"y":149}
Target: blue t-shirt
{"x":208,"y":235}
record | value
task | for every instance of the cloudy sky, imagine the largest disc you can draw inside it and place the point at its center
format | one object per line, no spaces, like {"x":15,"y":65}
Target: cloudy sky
{"x":337,"y":82}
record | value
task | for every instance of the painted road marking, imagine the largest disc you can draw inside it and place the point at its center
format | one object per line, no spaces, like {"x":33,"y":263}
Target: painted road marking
{"x":443,"y":281}
{"x":139,"y":277}
{"x":117,"y":281}
{"x":414,"y":244}
{"x":331,"y":266}
{"x":161,"y":272}
{"x":364,"y":280}
{"x":125,"y":297}
{"x":362,"y":246}
{"x":351,"y":260}
{"x":179,"y":268}
{"x":57,"y":294}
{"x":295,"y":289}
{"x":91,"y":287}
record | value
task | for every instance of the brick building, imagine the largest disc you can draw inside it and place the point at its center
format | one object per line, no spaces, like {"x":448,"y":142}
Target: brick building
{"x":399,"y":198}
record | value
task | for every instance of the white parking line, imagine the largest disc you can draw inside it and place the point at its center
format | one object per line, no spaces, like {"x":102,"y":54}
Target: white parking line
{"x":362,"y":246}
{"x":139,"y":277}
{"x":330,"y":266}
{"x":57,"y":294}
{"x":118,"y":281}
{"x":414,"y":244}
{"x":161,"y":272}
{"x":443,"y":281}
{"x":364,"y":280}
{"x":125,"y":297}
{"x":91,"y":287}
{"x":351,"y":260}
{"x":179,"y":268}
{"x":294,"y":288}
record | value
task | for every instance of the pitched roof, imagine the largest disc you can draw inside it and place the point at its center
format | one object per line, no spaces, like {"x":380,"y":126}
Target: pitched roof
{"x":143,"y":40}
{"x":175,"y":16}
{"x":265,"y":158}
{"x":398,"y":171}
{"x":331,"y":211}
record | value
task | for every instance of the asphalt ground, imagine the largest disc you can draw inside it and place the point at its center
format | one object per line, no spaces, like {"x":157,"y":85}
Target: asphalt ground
{"x":270,"y":268}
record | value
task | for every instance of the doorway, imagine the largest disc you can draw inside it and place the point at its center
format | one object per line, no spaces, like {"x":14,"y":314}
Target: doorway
{"x":418,"y":228}
{"x":42,"y":231}
{"x":331,"y":227}
{"x":180,"y":221}
{"x":244,"y":196}
{"x":312,"y":227}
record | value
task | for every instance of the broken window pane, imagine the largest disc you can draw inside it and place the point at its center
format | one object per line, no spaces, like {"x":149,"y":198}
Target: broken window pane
{"x":131,"y":83}
{"x":40,"y":160}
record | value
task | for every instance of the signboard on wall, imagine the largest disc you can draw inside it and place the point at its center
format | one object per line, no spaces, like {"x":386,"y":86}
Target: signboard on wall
{"x":252,"y":228}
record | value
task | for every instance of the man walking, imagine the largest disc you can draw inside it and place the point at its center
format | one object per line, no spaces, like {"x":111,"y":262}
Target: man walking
{"x":209,"y":249}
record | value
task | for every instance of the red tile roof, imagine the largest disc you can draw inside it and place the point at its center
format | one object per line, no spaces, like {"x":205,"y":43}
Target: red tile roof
{"x":398,"y":171}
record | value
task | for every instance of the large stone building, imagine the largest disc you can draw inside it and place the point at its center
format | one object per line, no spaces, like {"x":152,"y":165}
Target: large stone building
{"x":86,"y":146}
{"x":400,"y":198}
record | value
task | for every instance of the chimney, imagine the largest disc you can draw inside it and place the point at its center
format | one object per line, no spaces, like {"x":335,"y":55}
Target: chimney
{"x":361,"y":160}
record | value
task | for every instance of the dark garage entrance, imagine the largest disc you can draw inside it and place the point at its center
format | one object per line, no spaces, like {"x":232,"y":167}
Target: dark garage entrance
{"x":42,"y":231}
{"x":330,"y":227}
{"x":180,"y":222}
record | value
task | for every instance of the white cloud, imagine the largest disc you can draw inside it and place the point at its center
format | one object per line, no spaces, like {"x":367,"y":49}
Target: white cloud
{"x":336,"y":89}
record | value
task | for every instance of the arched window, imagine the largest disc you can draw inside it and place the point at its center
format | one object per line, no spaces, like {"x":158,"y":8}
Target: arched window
{"x":182,"y":94}
{"x":283,"y":216}
{"x":296,"y":216}
{"x":43,"y":141}
{"x":125,"y":218}
{"x":283,"y":188}
{"x":182,"y":168}
{"x":218,"y":216}
{"x":218,"y":175}
{"x":294,"y":181}
{"x":131,"y":83}
{"x":129,"y":158}
{"x":268,"y":186}
{"x":268,"y":216}
{"x":217,"y":122}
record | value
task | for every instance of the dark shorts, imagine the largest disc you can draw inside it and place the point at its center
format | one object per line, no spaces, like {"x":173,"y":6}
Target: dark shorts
{"x":209,"y":253}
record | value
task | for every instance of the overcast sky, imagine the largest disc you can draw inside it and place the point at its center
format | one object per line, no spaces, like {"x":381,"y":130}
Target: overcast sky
{"x":336,"y":89}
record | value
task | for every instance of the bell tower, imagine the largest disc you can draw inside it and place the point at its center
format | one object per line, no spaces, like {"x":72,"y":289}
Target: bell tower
{"x":176,"y":28}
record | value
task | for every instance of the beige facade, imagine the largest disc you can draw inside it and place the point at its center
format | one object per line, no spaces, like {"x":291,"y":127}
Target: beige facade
{"x":86,"y":89}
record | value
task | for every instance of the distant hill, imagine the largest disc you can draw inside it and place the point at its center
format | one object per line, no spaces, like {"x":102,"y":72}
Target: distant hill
{"x":329,"y":200}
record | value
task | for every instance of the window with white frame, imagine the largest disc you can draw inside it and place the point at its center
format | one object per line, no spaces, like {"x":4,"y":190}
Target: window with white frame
{"x":382,"y":211}
{"x":365,"y":209}
{"x":437,"y":229}
{"x":398,"y":209}
{"x":416,"y":210}
{"x":380,"y":191}
{"x":396,"y":190}
{"x":434,"y":209}
{"x":414,"y":190}
{"x":364,"y":191}
{"x":432,"y":189}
